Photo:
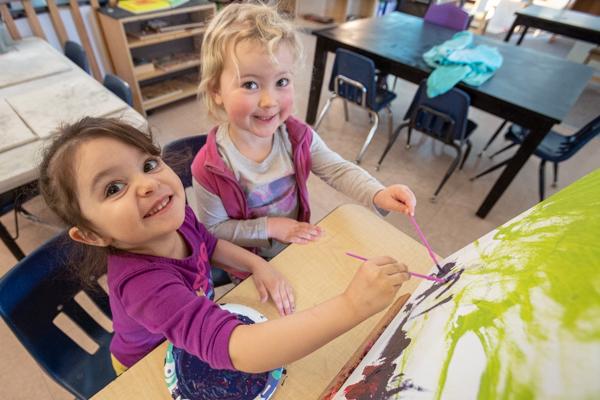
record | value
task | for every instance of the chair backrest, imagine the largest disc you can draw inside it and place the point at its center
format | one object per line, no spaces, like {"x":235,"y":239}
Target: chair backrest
{"x":75,"y":52}
{"x":32,"y":294}
{"x":576,"y":141}
{"x":179,"y":155}
{"x":119,"y":87}
{"x":448,"y":15}
{"x":443,"y":117}
{"x":355,"y":77}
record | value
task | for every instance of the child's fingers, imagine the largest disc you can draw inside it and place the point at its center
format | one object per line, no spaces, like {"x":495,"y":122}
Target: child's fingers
{"x":287,"y":307}
{"x":262,"y":292}
{"x":382,"y":260}
{"x":276,"y":296}
{"x":290,"y":295}
{"x":391,"y":269}
{"x":398,"y":279}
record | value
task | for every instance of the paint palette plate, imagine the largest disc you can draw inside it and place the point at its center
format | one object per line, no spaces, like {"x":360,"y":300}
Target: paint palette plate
{"x":189,"y":378}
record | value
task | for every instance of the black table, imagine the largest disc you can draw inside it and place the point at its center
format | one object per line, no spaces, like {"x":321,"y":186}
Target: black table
{"x":531,"y":89}
{"x":574,"y":24}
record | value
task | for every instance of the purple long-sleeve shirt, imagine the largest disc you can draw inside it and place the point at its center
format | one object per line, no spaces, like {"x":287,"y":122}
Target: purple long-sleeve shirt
{"x":155,"y":297}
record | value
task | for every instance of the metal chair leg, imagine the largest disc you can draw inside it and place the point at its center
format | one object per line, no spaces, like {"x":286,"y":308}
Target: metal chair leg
{"x":324,"y":111}
{"x":491,"y":169}
{"x":391,"y":142}
{"x":449,"y":172}
{"x":390,"y":122}
{"x":502,"y":150}
{"x":408,"y":138}
{"x":10,"y":243}
{"x":555,"y":174}
{"x":542,"y":182}
{"x":369,"y":137}
{"x":494,"y":136}
{"x":462,"y":164}
{"x":346,"y":109}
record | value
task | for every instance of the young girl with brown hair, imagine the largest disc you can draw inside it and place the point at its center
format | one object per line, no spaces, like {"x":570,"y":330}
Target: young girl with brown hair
{"x":106,"y":180}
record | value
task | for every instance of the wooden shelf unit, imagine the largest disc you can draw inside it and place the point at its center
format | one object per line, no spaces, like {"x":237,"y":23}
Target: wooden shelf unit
{"x":129,"y":43}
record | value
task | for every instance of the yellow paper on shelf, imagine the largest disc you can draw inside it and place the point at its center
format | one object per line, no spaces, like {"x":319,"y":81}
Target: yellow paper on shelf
{"x":142,"y":6}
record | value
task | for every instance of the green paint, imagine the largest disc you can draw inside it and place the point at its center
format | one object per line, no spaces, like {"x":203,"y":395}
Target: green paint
{"x":539,"y":278}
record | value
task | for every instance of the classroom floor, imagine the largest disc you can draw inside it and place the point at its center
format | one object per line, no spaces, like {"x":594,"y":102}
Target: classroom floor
{"x":449,"y":224}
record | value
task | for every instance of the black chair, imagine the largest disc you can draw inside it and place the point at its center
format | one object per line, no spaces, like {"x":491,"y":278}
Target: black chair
{"x":76,"y":53}
{"x":119,"y":87}
{"x":354,"y":79}
{"x":554,"y":148}
{"x":444,"y":118}
{"x":179,"y":155}
{"x":32,"y":294}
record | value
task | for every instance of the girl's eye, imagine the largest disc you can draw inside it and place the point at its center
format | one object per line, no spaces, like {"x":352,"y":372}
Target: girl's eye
{"x":250,"y":85}
{"x":283,"y":82}
{"x":150,"y":164}
{"x":113,"y":188}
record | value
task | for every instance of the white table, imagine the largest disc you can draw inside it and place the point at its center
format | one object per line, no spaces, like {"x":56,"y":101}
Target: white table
{"x":39,"y":90}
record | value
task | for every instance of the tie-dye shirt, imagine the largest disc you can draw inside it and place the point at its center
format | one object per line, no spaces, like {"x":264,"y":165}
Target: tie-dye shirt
{"x":269,"y":186}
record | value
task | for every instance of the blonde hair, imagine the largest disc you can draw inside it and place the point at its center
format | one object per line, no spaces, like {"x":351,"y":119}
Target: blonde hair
{"x":232,"y":25}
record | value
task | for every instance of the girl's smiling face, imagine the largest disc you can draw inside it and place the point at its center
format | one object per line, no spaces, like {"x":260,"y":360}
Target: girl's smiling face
{"x":132,"y":199}
{"x":256,"y":89}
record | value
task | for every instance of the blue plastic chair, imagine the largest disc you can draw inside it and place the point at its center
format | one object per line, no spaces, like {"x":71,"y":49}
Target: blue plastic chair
{"x":554,"y":147}
{"x":354,"y":79}
{"x":32,"y":294}
{"x":179,"y":155}
{"x":447,"y":15}
{"x":119,"y":87}
{"x":76,"y":53}
{"x":444,"y":118}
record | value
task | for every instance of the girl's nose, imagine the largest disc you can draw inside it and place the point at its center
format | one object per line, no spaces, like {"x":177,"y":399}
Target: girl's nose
{"x":147,"y":185}
{"x":266,"y":99}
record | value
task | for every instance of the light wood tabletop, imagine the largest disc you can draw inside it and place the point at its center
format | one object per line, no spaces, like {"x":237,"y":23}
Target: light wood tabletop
{"x":317,"y":271}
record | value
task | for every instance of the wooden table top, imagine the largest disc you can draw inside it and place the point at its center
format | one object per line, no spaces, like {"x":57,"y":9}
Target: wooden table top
{"x":317,"y":271}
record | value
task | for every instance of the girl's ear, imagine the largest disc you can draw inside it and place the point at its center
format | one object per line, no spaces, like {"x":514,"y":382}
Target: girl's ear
{"x":87,"y":237}
{"x":216,"y":95}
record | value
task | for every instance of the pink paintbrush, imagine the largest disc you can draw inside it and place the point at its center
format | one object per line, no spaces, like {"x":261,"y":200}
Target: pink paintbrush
{"x":425,"y":242}
{"x":428,"y":277}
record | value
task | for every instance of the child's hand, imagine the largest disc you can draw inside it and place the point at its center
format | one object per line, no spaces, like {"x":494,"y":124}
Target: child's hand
{"x":396,"y":198}
{"x":375,"y":284}
{"x":269,"y":281}
{"x":288,"y":230}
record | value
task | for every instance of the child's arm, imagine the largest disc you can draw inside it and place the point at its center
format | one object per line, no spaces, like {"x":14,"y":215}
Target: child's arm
{"x":212,"y":214}
{"x":357,"y":183}
{"x":265,"y":346}
{"x":251,"y":232}
{"x":267,"y":279}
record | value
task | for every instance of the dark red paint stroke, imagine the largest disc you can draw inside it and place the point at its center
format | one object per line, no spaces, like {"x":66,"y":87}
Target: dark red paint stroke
{"x":373,"y":385}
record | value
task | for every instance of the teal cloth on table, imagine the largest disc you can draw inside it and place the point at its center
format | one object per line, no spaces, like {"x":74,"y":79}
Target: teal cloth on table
{"x":458,"y":60}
